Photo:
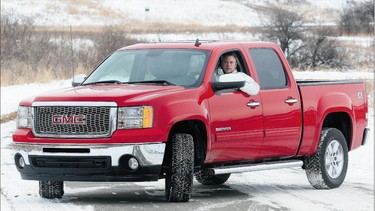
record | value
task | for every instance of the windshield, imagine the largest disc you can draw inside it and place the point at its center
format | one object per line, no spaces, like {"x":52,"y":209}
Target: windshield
{"x":182,"y":67}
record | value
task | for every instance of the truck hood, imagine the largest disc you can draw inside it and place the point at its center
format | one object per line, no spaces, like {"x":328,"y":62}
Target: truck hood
{"x":119,"y":93}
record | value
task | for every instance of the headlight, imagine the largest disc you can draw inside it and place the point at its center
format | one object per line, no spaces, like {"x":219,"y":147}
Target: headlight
{"x":24,"y":117}
{"x":135,"y":117}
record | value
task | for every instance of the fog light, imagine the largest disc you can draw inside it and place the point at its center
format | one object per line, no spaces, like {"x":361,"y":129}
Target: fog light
{"x":21,"y":162}
{"x":133,"y":163}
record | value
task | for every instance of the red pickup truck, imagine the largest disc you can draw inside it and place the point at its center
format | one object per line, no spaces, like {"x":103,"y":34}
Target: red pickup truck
{"x":153,"y":111}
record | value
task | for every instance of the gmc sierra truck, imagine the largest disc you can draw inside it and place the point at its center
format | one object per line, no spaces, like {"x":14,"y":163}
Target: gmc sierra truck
{"x":155,"y":111}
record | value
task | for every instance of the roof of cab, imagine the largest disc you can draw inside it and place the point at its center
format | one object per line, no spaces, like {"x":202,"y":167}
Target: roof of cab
{"x":195,"y":44}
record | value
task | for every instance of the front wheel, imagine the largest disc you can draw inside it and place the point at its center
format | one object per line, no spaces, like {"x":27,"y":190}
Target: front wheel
{"x":327,"y":168}
{"x":179,"y":177}
{"x":51,"y":189}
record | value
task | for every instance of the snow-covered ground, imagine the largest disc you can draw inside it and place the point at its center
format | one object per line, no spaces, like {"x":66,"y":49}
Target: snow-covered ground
{"x":286,"y":189}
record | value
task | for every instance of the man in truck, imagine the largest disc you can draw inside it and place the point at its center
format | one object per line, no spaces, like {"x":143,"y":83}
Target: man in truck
{"x":229,"y":65}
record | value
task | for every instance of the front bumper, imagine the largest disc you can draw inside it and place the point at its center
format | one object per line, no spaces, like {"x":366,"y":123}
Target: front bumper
{"x":62,"y":162}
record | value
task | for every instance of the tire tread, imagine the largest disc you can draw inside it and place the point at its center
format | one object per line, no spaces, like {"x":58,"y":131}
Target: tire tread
{"x":51,"y":189}
{"x":314,"y":164}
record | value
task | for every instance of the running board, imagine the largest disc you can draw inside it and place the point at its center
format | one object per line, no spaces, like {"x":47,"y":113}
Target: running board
{"x":254,"y":167}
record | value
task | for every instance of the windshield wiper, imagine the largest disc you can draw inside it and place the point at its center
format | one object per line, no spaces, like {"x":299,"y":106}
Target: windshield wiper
{"x":164,"y":82}
{"x":105,"y":82}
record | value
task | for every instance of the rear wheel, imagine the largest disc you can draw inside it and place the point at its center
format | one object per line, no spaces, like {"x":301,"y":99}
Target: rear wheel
{"x":179,"y":178}
{"x":327,"y":168}
{"x":51,"y":189}
{"x":206,"y":179}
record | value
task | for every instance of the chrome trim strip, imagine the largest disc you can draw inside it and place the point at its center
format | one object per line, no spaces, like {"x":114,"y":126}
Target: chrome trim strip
{"x":113,"y":121}
{"x":75,"y":103}
{"x":146,"y":154}
{"x":256,"y":167}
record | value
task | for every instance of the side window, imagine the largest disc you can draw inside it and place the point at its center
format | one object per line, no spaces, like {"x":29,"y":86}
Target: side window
{"x":269,"y":68}
{"x":241,"y":67}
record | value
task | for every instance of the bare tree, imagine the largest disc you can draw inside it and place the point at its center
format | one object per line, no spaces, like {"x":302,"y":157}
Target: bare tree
{"x":110,"y":39}
{"x":320,"y":49}
{"x":28,"y":54}
{"x":87,"y":57}
{"x":302,"y":48}
{"x":16,"y":35}
{"x":324,"y":48}
{"x":357,"y":18}
{"x":286,"y":28}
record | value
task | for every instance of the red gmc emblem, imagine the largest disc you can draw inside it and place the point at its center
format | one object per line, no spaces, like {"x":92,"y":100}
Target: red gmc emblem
{"x":68,"y":119}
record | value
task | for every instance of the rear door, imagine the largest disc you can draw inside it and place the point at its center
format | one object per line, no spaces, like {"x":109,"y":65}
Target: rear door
{"x":280,"y":102}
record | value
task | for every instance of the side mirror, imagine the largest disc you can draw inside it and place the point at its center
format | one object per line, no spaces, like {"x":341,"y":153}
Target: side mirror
{"x":78,"y":79}
{"x":228,"y":81}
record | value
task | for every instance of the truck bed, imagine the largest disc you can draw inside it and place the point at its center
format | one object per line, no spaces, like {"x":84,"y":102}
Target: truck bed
{"x":338,"y":98}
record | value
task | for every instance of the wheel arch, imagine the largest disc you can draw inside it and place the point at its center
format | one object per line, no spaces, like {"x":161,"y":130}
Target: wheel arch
{"x":334,"y":110}
{"x":198,"y":130}
{"x":342,"y":122}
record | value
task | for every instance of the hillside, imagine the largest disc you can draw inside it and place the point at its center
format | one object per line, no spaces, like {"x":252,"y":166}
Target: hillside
{"x":245,"y":13}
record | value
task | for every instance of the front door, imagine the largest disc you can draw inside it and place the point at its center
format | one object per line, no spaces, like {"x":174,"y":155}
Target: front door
{"x":237,"y":127}
{"x":236,"y":124}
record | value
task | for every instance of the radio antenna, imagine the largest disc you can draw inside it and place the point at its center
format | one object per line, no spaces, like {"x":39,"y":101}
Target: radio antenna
{"x":72,"y":51}
{"x":197,"y":43}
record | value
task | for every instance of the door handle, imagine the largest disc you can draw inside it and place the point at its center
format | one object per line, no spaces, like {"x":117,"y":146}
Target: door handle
{"x":253,"y":104}
{"x":291,"y":101}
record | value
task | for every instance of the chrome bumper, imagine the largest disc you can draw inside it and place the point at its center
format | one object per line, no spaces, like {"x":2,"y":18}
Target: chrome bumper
{"x":149,"y":154}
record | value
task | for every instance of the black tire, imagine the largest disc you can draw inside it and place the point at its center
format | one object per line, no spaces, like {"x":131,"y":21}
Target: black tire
{"x":206,"y":179}
{"x":51,"y":189}
{"x":327,"y":168}
{"x":179,"y":178}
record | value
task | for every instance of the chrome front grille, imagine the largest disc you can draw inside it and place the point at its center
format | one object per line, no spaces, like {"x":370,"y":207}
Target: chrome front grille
{"x":74,"y":121}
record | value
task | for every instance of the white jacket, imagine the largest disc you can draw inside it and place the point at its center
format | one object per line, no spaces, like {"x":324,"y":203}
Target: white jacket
{"x":251,"y":87}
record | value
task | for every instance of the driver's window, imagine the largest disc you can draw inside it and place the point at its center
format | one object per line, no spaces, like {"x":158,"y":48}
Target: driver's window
{"x":229,"y":62}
